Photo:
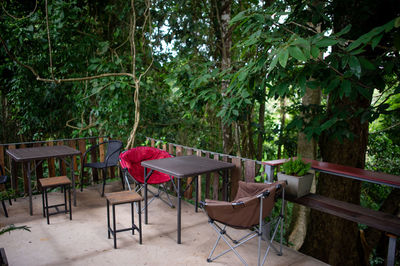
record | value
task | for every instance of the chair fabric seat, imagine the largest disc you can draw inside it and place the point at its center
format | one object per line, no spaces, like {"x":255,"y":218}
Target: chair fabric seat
{"x":245,"y":215}
{"x":131,"y":160}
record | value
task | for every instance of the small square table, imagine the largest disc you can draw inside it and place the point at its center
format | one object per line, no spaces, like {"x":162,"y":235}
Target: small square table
{"x":182,"y":167}
{"x":27,"y":155}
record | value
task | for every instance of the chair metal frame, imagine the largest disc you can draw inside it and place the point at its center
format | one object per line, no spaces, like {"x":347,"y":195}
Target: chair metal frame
{"x":139,"y":187}
{"x":258,"y":231}
{"x":105,"y":165}
{"x":3,"y":180}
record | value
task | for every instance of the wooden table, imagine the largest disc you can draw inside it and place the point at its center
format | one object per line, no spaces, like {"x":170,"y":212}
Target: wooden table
{"x":27,"y":155}
{"x":182,"y":167}
{"x":382,"y":221}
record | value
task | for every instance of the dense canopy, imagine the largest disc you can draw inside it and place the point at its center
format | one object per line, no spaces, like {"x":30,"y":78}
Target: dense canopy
{"x":259,"y":79}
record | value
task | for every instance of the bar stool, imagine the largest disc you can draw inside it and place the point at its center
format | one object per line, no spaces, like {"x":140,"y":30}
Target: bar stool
{"x":122,"y":197}
{"x":53,"y":182}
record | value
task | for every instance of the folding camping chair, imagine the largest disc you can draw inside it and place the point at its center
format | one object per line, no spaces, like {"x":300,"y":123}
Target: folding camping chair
{"x":252,"y":204}
{"x":130,"y":162}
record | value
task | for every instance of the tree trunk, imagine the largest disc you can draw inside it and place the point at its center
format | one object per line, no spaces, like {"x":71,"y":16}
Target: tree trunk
{"x":306,"y":149}
{"x":261,"y":129}
{"x":226,"y":44}
{"x":332,"y":239}
{"x":282,"y":112}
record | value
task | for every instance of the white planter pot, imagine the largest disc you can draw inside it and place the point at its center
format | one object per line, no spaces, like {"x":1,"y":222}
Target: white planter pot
{"x":297,"y":186}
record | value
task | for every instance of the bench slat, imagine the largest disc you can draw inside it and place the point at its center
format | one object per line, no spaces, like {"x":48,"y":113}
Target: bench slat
{"x":379,"y":220}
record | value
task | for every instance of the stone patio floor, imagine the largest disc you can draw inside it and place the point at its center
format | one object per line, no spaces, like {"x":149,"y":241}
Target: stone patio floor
{"x":83,"y":241}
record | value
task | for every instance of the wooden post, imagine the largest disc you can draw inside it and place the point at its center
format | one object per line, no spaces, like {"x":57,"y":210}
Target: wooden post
{"x":51,"y":166}
{"x":171,"y":148}
{"x":225,"y":180}
{"x":13,"y":171}
{"x":2,"y":187}
{"x":63,"y":167}
{"x":82,"y":149}
{"x":208,"y":177}
{"x":236,"y":176}
{"x":249,"y":170}
{"x":216,"y":181}
{"x":152,"y":141}
{"x":198,"y":153}
{"x":39,"y":167}
{"x":72,"y":144}
{"x":179,"y":151}
{"x":25,"y":174}
{"x":164,"y":146}
{"x":93,"y":159}
{"x":189,"y":190}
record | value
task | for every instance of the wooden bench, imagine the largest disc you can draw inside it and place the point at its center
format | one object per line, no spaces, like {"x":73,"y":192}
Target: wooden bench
{"x":352,"y":212}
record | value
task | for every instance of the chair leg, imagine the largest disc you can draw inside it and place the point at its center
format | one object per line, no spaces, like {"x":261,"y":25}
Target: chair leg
{"x":4,"y":208}
{"x":104,"y":180}
{"x":122,"y":178}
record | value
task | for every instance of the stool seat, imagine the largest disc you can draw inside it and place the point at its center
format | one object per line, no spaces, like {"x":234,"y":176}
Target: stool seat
{"x":54,"y":181}
{"x":123,"y":197}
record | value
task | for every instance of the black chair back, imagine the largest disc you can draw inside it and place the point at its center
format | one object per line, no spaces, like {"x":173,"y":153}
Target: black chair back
{"x":114,"y":148}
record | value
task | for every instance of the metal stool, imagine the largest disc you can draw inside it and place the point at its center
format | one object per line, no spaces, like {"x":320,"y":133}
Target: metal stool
{"x":122,"y":197}
{"x":52,"y":182}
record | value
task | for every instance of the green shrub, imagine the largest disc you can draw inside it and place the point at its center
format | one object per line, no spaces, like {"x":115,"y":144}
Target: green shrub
{"x":296,"y":167}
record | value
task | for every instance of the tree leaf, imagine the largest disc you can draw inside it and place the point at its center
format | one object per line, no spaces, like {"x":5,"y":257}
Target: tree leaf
{"x":344,"y":30}
{"x":375,"y":41}
{"x":283,"y":57}
{"x":355,"y":66}
{"x":325,"y":42}
{"x":333,"y":85}
{"x":315,"y":51}
{"x":296,"y":52}
{"x":328,"y":124}
{"x":346,"y":87}
{"x":366,"y":64}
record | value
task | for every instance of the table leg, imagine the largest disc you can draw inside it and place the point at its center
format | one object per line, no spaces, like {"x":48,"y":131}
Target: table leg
{"x":28,"y":167}
{"x":197,"y":193}
{"x":225,"y":184}
{"x":179,"y":210}
{"x":71,"y":166}
{"x":145,"y":196}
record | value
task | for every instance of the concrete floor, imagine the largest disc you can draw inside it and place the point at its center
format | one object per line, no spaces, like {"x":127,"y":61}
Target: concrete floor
{"x":83,"y":241}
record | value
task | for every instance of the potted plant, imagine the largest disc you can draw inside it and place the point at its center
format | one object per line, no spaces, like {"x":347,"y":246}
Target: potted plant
{"x":295,"y":172}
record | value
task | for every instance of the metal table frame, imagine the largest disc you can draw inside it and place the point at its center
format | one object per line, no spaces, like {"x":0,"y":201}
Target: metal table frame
{"x":27,"y":155}
{"x":183,"y":167}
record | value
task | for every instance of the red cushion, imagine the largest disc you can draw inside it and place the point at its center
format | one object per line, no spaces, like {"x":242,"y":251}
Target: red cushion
{"x":132,"y":158}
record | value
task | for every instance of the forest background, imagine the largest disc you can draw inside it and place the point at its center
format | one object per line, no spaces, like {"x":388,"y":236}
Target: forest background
{"x":257,"y":79}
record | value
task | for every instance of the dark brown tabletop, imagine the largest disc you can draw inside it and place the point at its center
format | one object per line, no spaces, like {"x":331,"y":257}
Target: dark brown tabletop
{"x":185,"y":166}
{"x":39,"y":153}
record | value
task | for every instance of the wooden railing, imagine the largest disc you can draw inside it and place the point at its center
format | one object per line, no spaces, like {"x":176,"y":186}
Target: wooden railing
{"x":246,"y":169}
{"x":51,"y":166}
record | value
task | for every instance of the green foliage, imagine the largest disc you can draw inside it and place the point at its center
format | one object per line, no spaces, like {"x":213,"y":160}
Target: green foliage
{"x":12,"y":227}
{"x":296,"y":167}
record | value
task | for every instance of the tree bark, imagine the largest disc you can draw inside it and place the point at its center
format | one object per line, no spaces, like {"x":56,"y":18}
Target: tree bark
{"x":324,"y":230}
{"x":261,"y":130}
{"x":306,"y":149}
{"x":226,"y":44}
